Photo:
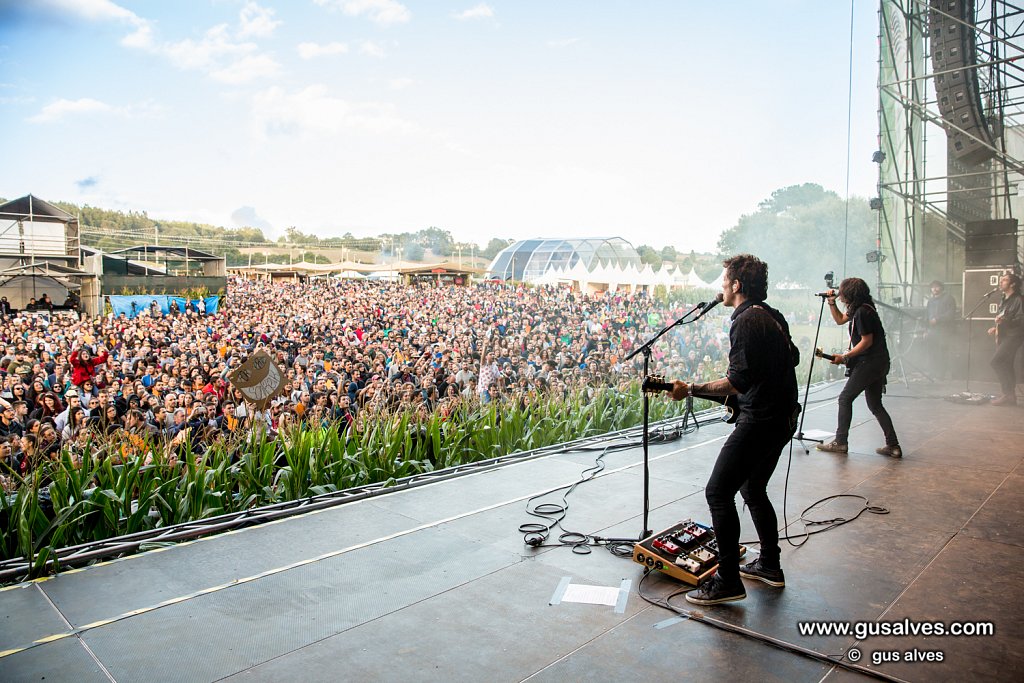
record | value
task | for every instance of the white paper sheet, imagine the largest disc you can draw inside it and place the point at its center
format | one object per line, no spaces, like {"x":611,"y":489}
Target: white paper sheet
{"x":591,"y":595}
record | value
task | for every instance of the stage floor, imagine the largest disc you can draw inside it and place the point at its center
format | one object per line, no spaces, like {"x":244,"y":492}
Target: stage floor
{"x":436,"y":583}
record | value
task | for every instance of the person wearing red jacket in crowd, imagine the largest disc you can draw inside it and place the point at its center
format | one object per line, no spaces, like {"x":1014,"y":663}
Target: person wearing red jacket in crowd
{"x":84,"y":364}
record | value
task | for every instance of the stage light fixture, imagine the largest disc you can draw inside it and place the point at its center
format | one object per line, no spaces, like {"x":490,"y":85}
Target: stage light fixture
{"x":875,"y":203}
{"x":878,"y":157}
{"x":874,"y":256}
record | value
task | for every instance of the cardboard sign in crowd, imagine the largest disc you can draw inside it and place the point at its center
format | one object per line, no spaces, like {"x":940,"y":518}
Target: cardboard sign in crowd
{"x":258,"y":378}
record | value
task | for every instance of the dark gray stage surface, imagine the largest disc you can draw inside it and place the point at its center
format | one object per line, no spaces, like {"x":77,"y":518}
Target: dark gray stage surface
{"x":435,"y":583}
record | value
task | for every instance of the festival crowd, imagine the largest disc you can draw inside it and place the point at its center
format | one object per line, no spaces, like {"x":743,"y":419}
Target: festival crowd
{"x":351,"y":350}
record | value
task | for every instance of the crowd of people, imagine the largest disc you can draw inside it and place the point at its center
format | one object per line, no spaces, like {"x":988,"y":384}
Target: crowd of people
{"x":351,"y":350}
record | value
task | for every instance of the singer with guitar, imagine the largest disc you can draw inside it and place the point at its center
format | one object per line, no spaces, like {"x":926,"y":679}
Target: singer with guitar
{"x":762,"y":377}
{"x":1009,"y":334}
{"x":868,"y":363}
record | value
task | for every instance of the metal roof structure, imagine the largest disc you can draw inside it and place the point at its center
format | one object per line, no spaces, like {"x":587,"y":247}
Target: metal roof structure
{"x":529,"y":260}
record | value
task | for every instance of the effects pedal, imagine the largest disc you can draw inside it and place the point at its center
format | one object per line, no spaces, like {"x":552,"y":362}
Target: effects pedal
{"x":686,"y":551}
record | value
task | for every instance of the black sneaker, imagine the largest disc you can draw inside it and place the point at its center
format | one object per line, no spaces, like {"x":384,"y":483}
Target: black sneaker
{"x":754,"y":570}
{"x":714,"y":591}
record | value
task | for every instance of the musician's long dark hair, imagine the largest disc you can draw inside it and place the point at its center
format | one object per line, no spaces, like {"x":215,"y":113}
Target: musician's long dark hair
{"x":855,"y":292}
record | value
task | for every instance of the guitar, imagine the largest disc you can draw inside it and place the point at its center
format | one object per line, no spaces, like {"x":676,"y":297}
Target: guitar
{"x":831,"y":357}
{"x":821,"y":354}
{"x":658,"y":383}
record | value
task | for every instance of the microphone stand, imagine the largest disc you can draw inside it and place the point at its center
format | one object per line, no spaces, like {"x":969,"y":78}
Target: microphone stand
{"x":645,"y":349}
{"x":970,"y":336}
{"x":799,"y":436}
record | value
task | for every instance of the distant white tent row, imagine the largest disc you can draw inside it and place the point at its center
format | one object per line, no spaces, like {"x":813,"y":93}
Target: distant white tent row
{"x":611,"y":277}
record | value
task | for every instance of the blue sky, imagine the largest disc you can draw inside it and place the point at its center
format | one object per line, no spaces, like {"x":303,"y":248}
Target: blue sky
{"x":662,"y":122}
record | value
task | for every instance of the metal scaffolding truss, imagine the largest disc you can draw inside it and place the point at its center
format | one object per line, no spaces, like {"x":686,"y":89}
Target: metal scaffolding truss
{"x":920,"y":186}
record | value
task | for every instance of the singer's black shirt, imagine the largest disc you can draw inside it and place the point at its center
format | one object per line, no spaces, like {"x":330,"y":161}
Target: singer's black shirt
{"x":865,"y":320}
{"x":762,"y":362}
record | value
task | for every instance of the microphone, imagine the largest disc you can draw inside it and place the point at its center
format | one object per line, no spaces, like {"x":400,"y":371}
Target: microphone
{"x":707,"y":307}
{"x":827,"y":293}
{"x":992,"y":292}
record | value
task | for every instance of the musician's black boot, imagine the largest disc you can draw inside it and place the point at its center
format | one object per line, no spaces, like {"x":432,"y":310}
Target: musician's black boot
{"x":755,"y":570}
{"x":892,"y":451}
{"x":716,"y":590}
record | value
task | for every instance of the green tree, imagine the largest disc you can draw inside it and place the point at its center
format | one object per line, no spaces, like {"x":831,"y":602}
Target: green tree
{"x":801,"y":232}
{"x":649,"y":255}
{"x":493,"y":247}
{"x":669,"y":254}
{"x":413,"y":252}
{"x":436,"y":240}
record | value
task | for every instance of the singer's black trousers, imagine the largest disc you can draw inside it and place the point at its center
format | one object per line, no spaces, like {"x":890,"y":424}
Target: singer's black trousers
{"x":1002,"y":362}
{"x":745,"y":464}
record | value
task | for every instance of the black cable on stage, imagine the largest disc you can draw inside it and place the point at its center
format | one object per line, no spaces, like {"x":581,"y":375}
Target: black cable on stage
{"x":536,"y":534}
{"x":703,"y":618}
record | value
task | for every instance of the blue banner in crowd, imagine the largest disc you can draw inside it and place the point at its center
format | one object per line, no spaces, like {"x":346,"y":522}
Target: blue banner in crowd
{"x":131,"y":306}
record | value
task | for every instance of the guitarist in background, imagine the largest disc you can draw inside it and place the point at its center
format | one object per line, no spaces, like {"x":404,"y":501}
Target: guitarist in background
{"x":1009,"y":334}
{"x":868,"y":361}
{"x":762,"y":379}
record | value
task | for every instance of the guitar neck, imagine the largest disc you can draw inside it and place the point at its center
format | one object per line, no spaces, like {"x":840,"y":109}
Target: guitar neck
{"x":653,"y":385}
{"x":827,"y":356}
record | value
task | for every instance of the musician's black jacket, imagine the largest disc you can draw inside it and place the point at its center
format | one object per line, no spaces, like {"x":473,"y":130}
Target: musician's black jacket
{"x":762,"y":359}
{"x":1012,"y":309}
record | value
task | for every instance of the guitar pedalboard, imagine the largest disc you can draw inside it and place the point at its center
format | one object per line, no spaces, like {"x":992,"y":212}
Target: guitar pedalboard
{"x":686,"y":551}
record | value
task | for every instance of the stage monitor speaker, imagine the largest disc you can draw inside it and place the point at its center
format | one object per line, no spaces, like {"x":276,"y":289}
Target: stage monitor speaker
{"x":1005,"y":243}
{"x":991,"y":243}
{"x":951,"y":31}
{"x":984,"y":258}
{"x":995,"y":227}
{"x":977,"y":283}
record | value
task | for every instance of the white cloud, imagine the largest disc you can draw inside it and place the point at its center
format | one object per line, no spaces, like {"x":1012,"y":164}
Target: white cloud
{"x":105,"y":10}
{"x":371,"y":49}
{"x":256,"y":21}
{"x":221,"y":53}
{"x":311,"y":50}
{"x":63,"y":108}
{"x":93,"y":10}
{"x":565,"y":42}
{"x":17,"y":99}
{"x":383,"y":12}
{"x":215,"y":45}
{"x":221,"y":56}
{"x":400,"y":83}
{"x":141,"y":38}
{"x":481,"y":11}
{"x":246,"y":69}
{"x":55,"y":111}
{"x":313,"y":110}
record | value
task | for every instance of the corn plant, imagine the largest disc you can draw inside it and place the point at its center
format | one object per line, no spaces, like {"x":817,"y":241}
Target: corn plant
{"x":91,"y":496}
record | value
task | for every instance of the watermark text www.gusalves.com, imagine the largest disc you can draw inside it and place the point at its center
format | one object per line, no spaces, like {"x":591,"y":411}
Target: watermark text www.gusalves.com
{"x":862,"y":630}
